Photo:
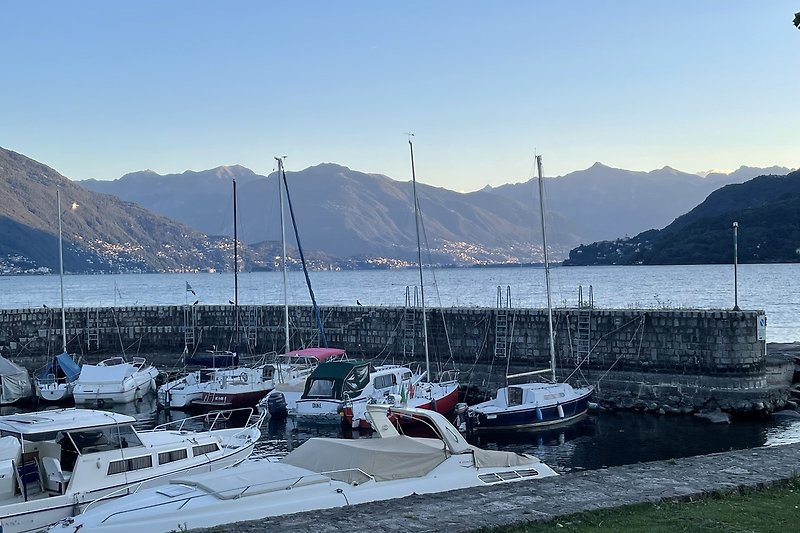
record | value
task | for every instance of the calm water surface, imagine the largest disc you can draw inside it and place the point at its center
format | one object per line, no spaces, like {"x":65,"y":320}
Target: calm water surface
{"x":772,"y":288}
{"x":602,"y":440}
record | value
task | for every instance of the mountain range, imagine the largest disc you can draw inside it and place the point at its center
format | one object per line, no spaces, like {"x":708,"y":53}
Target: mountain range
{"x":144,"y":221}
{"x":766,"y":210}
{"x":102,"y":233}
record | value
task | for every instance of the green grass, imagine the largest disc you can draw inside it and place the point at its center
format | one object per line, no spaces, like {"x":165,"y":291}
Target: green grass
{"x":776,"y":509}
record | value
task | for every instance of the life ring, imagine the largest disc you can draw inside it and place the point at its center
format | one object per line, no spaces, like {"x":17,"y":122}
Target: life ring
{"x":243,"y":377}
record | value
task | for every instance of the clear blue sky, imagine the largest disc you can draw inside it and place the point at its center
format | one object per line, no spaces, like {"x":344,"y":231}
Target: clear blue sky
{"x":101,"y":88}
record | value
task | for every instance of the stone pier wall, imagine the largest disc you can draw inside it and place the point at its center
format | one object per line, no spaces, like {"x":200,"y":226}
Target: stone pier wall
{"x":671,"y":360}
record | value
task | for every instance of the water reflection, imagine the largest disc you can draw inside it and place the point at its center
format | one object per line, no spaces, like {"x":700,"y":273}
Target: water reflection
{"x":599,"y":441}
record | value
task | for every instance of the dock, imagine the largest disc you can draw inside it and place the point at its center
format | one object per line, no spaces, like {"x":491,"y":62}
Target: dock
{"x":549,"y":498}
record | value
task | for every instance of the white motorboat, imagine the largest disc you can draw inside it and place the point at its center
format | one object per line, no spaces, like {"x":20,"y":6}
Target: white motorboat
{"x":54,"y":463}
{"x":241,"y":386}
{"x":114,"y":380}
{"x":321,"y":473}
{"x":343,"y":389}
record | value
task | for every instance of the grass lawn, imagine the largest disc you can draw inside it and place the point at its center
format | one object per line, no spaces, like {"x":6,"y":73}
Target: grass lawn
{"x":770,"y":510}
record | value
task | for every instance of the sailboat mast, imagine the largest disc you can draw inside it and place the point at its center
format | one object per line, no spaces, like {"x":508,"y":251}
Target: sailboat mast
{"x":283,"y":256}
{"x":235,"y":273}
{"x":419,"y":264}
{"x":546,"y":271}
{"x":61,"y":275}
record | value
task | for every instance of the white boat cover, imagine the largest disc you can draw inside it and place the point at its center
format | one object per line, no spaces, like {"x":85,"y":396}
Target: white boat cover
{"x":249,"y":479}
{"x":10,"y":448}
{"x":15,"y":383}
{"x":497,"y":458}
{"x":384,"y":459}
{"x":98,"y":374}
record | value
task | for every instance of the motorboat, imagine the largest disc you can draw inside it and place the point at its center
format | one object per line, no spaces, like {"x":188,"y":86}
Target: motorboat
{"x":114,"y":380}
{"x":321,"y":473}
{"x":15,"y":383}
{"x":55,"y":463}
{"x":241,"y":386}
{"x":341,"y":390}
{"x":54,"y":381}
{"x":539,"y":404}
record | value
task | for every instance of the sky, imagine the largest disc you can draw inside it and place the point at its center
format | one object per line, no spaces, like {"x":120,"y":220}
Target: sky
{"x":97,"y":89}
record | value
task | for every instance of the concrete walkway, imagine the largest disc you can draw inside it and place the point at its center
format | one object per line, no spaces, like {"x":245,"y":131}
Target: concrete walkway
{"x":470,"y":509}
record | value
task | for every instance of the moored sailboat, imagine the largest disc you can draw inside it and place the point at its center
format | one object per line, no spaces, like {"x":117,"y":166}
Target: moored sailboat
{"x":533,"y":405}
{"x":54,"y":382}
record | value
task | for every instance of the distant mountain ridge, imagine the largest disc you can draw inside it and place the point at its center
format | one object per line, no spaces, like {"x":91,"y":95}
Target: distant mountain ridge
{"x":101,"y":234}
{"x":609,"y":203}
{"x":766,"y":208}
{"x":346,"y":218}
{"x":344,"y":213}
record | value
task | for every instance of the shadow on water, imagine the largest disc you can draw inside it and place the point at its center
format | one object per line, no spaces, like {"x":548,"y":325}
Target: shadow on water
{"x":599,"y":441}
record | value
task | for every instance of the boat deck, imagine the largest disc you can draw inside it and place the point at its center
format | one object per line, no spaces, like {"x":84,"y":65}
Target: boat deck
{"x":546,"y":499}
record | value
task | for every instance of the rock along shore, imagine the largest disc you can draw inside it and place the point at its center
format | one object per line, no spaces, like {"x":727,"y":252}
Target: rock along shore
{"x":546,"y":499}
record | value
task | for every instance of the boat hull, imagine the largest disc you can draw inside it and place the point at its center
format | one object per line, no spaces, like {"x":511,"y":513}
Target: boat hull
{"x":230,"y":400}
{"x":531,"y":417}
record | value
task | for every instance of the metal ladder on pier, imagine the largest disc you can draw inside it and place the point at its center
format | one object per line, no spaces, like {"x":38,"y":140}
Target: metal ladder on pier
{"x":583,"y":337}
{"x":189,"y":327}
{"x":410,"y":322}
{"x":501,"y":323}
{"x":252,"y":326}
{"x":92,"y":328}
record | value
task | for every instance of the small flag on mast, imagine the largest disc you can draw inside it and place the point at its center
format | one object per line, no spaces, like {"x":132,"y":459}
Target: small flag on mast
{"x":189,"y":289}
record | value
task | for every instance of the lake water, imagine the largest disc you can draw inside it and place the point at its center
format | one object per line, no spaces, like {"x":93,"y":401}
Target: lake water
{"x":601,"y":440}
{"x":606,"y":439}
{"x":773,"y":288}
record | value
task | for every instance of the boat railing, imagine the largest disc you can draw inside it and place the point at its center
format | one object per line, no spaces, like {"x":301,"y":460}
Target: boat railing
{"x":122,"y":491}
{"x":138,"y":362}
{"x":282,"y":483}
{"x":448,"y":376}
{"x":352,"y":476}
{"x":212,"y":419}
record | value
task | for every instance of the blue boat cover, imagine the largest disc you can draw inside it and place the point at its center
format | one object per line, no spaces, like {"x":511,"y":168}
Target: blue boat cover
{"x":62,"y":365}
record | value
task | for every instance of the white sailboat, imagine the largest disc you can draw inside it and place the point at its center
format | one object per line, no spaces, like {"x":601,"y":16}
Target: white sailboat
{"x":441,"y":395}
{"x":533,"y":405}
{"x":54,"y":382}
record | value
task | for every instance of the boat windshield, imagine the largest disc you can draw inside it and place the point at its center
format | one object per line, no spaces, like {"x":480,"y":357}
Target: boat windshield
{"x":322,"y":388}
{"x":514,"y":396}
{"x":104,"y":439}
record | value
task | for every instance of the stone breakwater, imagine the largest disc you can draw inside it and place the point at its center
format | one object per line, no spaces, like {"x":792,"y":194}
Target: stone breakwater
{"x":665,"y":360}
{"x":549,"y":498}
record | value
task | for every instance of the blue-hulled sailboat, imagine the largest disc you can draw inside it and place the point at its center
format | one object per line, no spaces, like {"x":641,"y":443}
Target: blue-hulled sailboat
{"x":533,"y":405}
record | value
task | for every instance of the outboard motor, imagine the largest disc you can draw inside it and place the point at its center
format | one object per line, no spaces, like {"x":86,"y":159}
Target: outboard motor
{"x":276,"y":405}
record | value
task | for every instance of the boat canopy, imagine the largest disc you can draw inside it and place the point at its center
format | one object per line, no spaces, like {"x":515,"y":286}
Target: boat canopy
{"x":321,"y":354}
{"x":397,"y":457}
{"x":59,"y":420}
{"x":334,"y":379}
{"x":61,"y":368}
{"x":15,"y":383}
{"x":105,"y":374}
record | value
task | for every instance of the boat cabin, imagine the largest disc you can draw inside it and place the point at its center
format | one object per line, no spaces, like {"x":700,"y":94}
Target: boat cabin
{"x":336,"y":379}
{"x":39,"y":452}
